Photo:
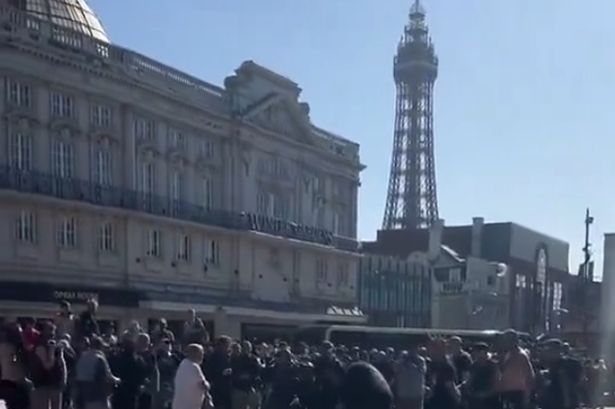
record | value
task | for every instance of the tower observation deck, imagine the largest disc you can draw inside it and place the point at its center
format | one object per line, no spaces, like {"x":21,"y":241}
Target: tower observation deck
{"x":411,"y":199}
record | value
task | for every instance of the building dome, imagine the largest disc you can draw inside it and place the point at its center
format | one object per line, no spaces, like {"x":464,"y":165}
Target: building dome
{"x":72,"y":14}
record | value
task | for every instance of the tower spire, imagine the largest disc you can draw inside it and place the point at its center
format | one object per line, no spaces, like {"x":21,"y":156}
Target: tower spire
{"x":417,"y":9}
{"x":412,"y":201}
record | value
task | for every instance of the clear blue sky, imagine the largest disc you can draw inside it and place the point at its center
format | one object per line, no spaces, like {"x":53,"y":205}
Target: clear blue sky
{"x":524,"y":111}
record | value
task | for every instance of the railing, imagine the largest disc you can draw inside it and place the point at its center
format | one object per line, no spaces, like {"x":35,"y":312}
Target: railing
{"x":46,"y":184}
{"x":17,"y":22}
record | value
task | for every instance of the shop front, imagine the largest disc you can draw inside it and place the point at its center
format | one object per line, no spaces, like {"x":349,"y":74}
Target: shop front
{"x":21,"y":300}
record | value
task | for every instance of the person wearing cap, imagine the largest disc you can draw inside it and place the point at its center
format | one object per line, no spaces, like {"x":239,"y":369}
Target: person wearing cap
{"x":482,"y":380}
{"x":517,"y":374}
{"x":563,"y":377}
{"x":191,"y":387}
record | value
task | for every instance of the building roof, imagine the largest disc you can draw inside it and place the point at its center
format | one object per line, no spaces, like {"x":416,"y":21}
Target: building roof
{"x":72,"y":14}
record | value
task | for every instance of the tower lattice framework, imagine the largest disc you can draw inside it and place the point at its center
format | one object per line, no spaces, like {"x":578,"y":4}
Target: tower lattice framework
{"x":412,"y":201}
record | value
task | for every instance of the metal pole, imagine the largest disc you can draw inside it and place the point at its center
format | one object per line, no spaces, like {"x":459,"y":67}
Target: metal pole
{"x":586,"y":277}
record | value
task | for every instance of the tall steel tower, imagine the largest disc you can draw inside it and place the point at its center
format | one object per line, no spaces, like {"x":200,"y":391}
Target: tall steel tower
{"x":411,"y":200}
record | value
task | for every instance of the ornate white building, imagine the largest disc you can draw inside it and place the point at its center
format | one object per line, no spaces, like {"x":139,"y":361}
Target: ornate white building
{"x":128,"y":180}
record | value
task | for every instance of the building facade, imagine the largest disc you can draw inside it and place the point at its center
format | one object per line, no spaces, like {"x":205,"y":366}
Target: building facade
{"x":127,"y":180}
{"x":504,"y":271}
{"x":396,"y":292}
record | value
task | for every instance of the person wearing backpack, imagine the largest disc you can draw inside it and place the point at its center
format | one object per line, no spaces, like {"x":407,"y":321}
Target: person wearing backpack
{"x":47,"y":370}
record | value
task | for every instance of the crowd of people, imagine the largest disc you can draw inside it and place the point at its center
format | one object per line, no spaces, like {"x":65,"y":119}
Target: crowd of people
{"x":68,"y":363}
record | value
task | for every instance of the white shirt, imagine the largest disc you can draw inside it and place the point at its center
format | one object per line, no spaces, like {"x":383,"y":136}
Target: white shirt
{"x":189,"y":393}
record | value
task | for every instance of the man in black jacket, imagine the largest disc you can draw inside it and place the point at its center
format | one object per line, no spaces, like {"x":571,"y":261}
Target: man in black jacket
{"x":219,"y":372}
{"x":246,"y":372}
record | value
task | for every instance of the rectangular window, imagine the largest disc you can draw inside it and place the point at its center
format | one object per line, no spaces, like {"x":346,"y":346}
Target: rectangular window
{"x":26,"y":227}
{"x":63,"y":159}
{"x":18,"y":94}
{"x":321,"y":270}
{"x":207,"y":193}
{"x":183,"y":248}
{"x":521,"y":281}
{"x":154,"y":243}
{"x":102,"y":116}
{"x":21,"y":151}
{"x":338,"y":225}
{"x":144,"y":129}
{"x":103,"y":167}
{"x":342,"y":275}
{"x":148,"y":178}
{"x":557,"y":297}
{"x":67,"y":232}
{"x":176,"y":139}
{"x":281,"y":207}
{"x":62,"y":105}
{"x":207,"y":148}
{"x":262,"y":203}
{"x":106,"y":239}
{"x":177,"y":181}
{"x":211,"y":252}
{"x":454,"y":275}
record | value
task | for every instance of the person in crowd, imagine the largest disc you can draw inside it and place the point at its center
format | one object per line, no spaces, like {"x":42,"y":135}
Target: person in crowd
{"x":220,"y":372}
{"x":133,"y":331}
{"x":329,"y":375}
{"x":88,"y":324}
{"x":409,"y":380}
{"x":94,"y":381}
{"x":194,"y":330}
{"x":191,"y":387}
{"x":14,"y":385}
{"x":482,"y":381}
{"x":70,"y":357}
{"x":108,"y":335}
{"x":47,"y":370}
{"x":563,"y":377}
{"x":161,"y":331}
{"x":517,"y":375}
{"x":167,"y":363}
{"x":245,"y":375}
{"x":385,"y":364}
{"x":461,"y":359}
{"x":364,"y":387}
{"x":282,"y":376}
{"x":65,"y":320}
{"x":30,"y":334}
{"x":307,"y":388}
{"x":440,"y":379}
{"x":132,"y":370}
{"x":152,"y":374}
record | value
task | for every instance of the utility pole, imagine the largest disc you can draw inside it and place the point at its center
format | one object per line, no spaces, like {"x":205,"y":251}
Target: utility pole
{"x":586,"y":277}
{"x":589,"y":220}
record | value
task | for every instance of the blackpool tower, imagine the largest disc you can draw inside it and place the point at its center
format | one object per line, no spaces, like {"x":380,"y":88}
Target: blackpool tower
{"x":411,"y":199}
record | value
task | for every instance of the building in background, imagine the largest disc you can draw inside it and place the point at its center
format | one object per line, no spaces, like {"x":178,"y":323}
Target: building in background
{"x":396,"y":292}
{"x":504,"y":271}
{"x":129,"y":181}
